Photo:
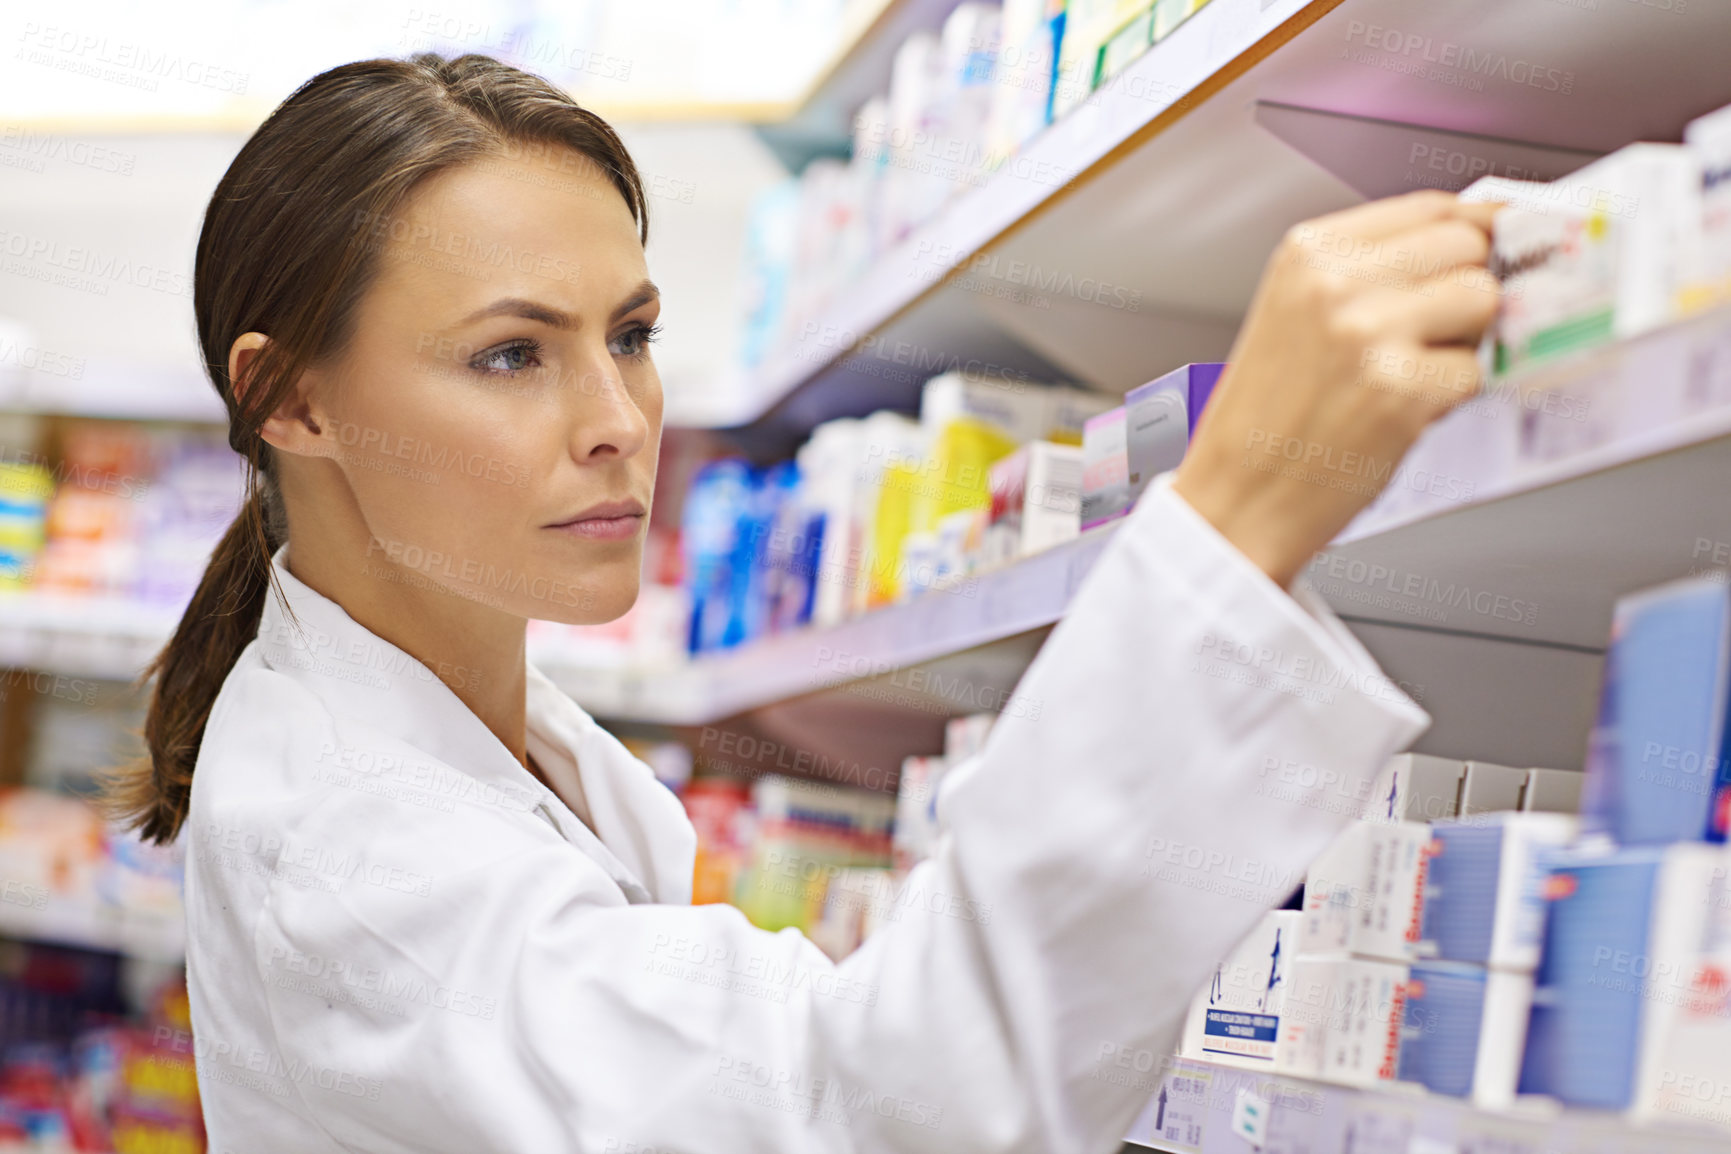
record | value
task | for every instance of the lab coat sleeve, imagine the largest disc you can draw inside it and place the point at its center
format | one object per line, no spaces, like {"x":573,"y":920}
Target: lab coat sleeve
{"x":1188,"y":738}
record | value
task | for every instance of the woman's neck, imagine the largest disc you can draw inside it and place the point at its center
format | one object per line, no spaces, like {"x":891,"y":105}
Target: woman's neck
{"x":476,"y":650}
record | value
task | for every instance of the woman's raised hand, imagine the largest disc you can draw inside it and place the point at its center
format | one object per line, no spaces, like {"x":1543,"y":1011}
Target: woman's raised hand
{"x":1362,"y":332}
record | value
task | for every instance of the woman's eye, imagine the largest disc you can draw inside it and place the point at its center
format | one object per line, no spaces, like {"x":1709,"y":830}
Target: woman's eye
{"x":633,"y":342}
{"x":511,"y":358}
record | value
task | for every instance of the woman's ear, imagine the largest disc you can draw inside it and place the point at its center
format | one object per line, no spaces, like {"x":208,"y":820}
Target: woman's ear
{"x":294,"y":427}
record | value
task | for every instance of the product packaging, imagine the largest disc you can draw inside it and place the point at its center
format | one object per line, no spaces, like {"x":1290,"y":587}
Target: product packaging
{"x":1160,"y":418}
{"x":1656,"y":761}
{"x":916,"y":820}
{"x":1416,"y":787}
{"x":1464,"y":1031}
{"x":1489,"y":788}
{"x":1122,"y":47}
{"x":24,"y":494}
{"x":1236,"y":1020}
{"x":1364,"y":894}
{"x":1341,"y":1019}
{"x":1553,"y":791}
{"x":1169,"y":14}
{"x":1596,"y":256}
{"x":966,"y":736}
{"x":1484,"y":898}
{"x":1036,"y":498}
{"x":1623,"y":934}
{"x":1023,"y":90}
{"x":1105,"y":469}
{"x":1708,"y":280}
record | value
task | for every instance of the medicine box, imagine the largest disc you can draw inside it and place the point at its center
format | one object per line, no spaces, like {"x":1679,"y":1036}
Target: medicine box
{"x":1236,"y":1020}
{"x":1416,"y":787}
{"x":1160,"y":418}
{"x":1037,"y":497}
{"x":1708,"y":280}
{"x":1601,"y":258}
{"x":1656,"y":763}
{"x":1489,"y":788}
{"x":1105,"y":471}
{"x":1484,"y":894}
{"x":1341,"y":1019}
{"x":1623,"y":931}
{"x":1364,"y":894}
{"x":1464,"y":1030}
{"x":1552,"y":791}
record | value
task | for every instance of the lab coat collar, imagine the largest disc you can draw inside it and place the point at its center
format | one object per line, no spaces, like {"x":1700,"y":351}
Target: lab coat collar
{"x":358,"y":675}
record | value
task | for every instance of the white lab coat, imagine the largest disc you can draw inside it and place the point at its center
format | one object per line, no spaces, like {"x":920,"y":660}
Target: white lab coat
{"x":401,"y":941}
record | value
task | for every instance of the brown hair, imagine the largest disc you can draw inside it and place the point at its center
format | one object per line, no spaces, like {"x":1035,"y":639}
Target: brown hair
{"x":288,"y":249}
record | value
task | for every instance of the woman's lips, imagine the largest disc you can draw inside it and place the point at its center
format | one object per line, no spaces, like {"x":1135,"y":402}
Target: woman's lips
{"x":613,"y":521}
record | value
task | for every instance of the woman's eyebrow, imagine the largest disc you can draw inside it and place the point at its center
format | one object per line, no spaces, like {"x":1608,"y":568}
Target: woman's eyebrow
{"x":527,"y":309}
{"x":640,"y":296}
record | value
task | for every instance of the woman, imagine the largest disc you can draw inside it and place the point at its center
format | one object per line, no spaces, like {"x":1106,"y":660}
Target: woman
{"x":433,"y":907}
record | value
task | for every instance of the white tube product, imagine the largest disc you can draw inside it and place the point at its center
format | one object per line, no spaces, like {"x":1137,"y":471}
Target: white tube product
{"x":1024,"y":80}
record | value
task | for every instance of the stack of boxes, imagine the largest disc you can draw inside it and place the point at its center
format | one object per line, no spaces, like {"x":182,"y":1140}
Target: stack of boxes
{"x":1412,"y":955}
{"x":1473,"y":936}
{"x":1631,"y":1010}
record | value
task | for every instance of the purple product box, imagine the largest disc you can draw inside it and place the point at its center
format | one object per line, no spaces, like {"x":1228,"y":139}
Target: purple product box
{"x":1159,"y":419}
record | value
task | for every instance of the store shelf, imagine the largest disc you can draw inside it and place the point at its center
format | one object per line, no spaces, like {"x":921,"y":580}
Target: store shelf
{"x":110,"y":929}
{"x":1166,"y":186}
{"x":1537,"y":556}
{"x":99,"y":637}
{"x":1027,"y":595}
{"x":1194,"y":1103}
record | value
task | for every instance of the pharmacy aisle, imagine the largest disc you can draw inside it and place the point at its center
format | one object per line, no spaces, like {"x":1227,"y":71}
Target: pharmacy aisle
{"x":949,"y":284}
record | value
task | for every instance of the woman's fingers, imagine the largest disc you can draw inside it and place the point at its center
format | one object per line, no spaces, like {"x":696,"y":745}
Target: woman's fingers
{"x":1453,"y":309}
{"x":1382,"y":218}
{"x":1438,"y":247}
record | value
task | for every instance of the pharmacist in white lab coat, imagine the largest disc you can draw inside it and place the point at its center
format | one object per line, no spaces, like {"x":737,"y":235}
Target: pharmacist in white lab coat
{"x":434,"y":907}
